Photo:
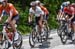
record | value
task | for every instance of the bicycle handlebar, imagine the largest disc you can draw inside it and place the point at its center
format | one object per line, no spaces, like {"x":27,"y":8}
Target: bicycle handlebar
{"x":4,"y":24}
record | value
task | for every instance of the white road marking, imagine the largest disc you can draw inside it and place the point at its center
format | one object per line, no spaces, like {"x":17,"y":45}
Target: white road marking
{"x":71,"y":46}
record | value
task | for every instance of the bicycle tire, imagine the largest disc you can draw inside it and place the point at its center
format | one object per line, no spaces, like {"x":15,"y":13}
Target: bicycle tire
{"x":46,"y":30}
{"x":21,"y":42}
{"x":63,"y":39}
{"x":31,"y":38}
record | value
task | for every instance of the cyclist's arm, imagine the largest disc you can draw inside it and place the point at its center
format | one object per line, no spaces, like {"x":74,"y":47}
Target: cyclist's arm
{"x":30,"y":18}
{"x":10,"y":15}
{"x":72,"y":13}
{"x":1,"y":15}
{"x":60,"y":15}
{"x":72,"y":16}
{"x":30,"y":15}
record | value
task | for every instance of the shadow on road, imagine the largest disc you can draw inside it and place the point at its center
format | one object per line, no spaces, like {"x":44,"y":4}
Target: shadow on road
{"x":45,"y":44}
{"x":72,"y":42}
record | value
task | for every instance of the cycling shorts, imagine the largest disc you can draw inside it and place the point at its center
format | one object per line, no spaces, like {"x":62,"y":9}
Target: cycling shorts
{"x":37,"y":20}
{"x":16,"y":17}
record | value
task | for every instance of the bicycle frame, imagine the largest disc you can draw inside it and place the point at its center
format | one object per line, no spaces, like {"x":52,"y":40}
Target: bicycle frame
{"x":9,"y":36}
{"x":5,"y":32}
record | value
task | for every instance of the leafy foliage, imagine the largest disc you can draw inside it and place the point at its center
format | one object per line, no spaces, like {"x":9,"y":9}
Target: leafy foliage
{"x":23,"y":7}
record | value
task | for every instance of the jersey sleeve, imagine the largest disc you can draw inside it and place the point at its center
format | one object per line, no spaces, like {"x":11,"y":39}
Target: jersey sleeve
{"x":11,"y":7}
{"x":40,"y":11}
{"x":72,"y":8}
{"x":30,"y":11}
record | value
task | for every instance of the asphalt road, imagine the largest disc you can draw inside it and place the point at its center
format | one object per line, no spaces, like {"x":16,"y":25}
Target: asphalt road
{"x":53,"y":42}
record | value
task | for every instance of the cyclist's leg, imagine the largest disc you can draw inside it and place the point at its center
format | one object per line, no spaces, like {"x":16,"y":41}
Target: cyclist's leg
{"x":12,"y":24}
{"x":40,"y":24}
{"x":73,"y":25}
{"x":69,"y":27}
{"x":46,"y":21}
{"x":36,"y":21}
{"x":69,"y":23}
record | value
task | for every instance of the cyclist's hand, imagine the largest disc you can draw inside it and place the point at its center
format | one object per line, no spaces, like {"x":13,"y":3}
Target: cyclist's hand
{"x":29,"y":21}
{"x":8,"y":20}
{"x":69,"y":19}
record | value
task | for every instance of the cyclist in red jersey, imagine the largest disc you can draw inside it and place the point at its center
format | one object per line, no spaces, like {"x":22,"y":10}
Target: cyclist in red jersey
{"x":70,"y":12}
{"x":12,"y":13}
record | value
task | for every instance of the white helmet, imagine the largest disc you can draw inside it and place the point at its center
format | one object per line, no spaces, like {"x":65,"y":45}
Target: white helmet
{"x":32,"y":3}
{"x":1,"y":0}
{"x":73,"y":3}
{"x":68,"y":2}
{"x":37,"y":1}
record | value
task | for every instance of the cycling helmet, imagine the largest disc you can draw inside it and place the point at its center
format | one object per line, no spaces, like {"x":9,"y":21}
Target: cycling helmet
{"x":37,"y":1}
{"x":32,"y":3}
{"x":3,"y":0}
{"x":68,"y":2}
{"x":65,"y":3}
{"x":73,"y":4}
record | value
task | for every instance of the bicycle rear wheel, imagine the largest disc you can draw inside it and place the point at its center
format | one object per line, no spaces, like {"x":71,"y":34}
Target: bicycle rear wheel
{"x":46,"y":30}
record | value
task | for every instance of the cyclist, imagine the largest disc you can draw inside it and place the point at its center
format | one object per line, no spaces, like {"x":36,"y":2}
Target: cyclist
{"x":61,"y":12}
{"x":12,"y":13}
{"x":70,"y":12}
{"x":46,"y":12}
{"x":61,"y":15}
{"x":38,"y":13}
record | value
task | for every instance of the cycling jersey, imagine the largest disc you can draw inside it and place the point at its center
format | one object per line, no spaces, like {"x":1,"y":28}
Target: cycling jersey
{"x":69,"y":10}
{"x":45,"y":10}
{"x":8,"y":8}
{"x":37,"y":11}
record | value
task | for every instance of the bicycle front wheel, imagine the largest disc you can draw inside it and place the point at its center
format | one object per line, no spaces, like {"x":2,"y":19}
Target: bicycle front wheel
{"x":32,"y":38}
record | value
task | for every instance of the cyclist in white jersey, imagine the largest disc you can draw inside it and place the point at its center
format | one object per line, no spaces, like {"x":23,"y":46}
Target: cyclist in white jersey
{"x":38,"y":13}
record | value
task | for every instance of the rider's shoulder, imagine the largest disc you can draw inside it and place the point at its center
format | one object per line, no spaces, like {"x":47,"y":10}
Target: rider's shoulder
{"x":30,"y":9}
{"x":10,"y":4}
{"x":0,"y":5}
{"x":37,"y":7}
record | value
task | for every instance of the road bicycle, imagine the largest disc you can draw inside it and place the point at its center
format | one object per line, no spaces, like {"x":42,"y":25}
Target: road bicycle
{"x":9,"y":36}
{"x":36,"y":36}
